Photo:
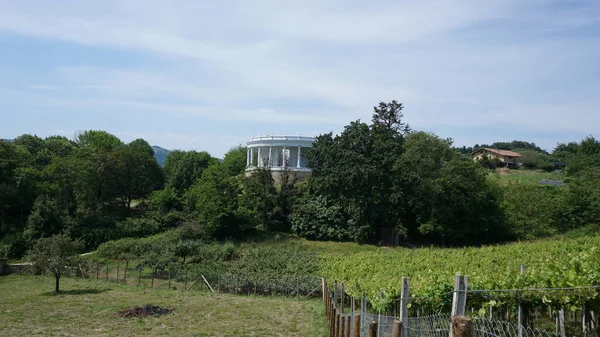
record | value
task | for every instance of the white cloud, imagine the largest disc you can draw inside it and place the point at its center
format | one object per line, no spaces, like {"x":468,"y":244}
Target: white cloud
{"x":315,"y":63}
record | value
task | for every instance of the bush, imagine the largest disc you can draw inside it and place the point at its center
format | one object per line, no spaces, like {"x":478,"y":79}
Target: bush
{"x":317,"y":219}
{"x":140,"y":227}
{"x":531,"y":210}
{"x":13,"y":246}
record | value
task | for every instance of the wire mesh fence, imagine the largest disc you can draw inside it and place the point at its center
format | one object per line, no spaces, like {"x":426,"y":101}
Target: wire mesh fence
{"x":509,"y":319}
{"x":483,"y":327}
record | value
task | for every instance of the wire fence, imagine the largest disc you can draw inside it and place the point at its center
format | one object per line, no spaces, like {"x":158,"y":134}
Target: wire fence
{"x":483,"y":327}
{"x":513,"y":319}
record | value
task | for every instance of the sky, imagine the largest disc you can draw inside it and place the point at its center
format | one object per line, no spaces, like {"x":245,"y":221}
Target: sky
{"x":207,"y":75}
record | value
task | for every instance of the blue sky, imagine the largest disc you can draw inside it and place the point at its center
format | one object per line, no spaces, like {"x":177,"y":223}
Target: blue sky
{"x":207,"y":75}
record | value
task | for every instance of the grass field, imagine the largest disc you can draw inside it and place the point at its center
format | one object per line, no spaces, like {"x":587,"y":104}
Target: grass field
{"x":28,"y":307}
{"x":527,"y":176}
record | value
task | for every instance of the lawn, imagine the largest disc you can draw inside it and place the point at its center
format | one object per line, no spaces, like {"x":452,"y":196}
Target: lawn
{"x":527,"y":176}
{"x":88,"y":307}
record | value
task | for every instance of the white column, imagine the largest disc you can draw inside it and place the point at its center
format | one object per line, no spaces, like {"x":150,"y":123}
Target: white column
{"x":259,"y":159}
{"x":270,"y":158}
{"x":285,"y":158}
{"x":248,"y":157}
{"x":251,"y":156}
{"x":298,"y":164}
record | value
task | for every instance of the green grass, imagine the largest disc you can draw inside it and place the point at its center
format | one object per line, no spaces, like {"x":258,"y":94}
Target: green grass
{"x":527,"y":176}
{"x":88,"y":307}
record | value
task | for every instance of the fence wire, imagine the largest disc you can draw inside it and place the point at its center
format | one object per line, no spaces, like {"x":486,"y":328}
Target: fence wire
{"x":483,"y":327}
{"x":428,"y":326}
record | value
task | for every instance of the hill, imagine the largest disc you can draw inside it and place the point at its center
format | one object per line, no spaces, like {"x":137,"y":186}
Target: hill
{"x":160,"y":154}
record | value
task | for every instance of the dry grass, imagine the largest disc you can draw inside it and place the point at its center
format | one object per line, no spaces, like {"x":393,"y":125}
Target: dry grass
{"x":89,"y":307}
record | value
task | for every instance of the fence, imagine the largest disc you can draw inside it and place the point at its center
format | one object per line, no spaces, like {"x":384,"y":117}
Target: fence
{"x":181,"y":278}
{"x":347,"y":317}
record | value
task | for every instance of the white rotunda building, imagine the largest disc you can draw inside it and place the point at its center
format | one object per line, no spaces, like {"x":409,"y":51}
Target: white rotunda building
{"x":279,"y":153}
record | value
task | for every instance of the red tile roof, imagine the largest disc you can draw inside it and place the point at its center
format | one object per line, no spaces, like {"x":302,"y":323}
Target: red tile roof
{"x":501,"y":152}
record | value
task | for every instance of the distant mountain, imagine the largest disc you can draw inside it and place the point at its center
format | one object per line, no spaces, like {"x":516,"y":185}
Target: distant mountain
{"x":7,"y":140}
{"x":160,"y":154}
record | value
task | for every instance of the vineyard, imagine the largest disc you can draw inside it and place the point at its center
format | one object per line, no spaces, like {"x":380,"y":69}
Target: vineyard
{"x":573,"y":264}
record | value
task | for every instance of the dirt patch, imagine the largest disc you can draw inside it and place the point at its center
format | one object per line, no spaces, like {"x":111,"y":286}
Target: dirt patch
{"x":144,"y":311}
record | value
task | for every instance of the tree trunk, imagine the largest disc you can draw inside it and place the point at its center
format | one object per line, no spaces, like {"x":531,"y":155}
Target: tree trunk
{"x":56,"y":288}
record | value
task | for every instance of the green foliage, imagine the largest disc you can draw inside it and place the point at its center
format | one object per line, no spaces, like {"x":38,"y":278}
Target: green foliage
{"x":356,"y":169}
{"x":140,"y":227}
{"x":55,"y":255}
{"x":183,"y":168}
{"x":465,"y":207}
{"x":214,"y":200}
{"x":141,"y":173}
{"x":534,"y":160}
{"x":531,"y":210}
{"x":316,"y":219}
{"x":550,"y":263}
{"x":418,"y":167}
{"x":259,"y":197}
{"x":234,"y":161}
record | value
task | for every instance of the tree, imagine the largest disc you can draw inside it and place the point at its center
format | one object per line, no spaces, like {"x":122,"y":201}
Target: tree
{"x":259,"y":197}
{"x":390,"y":116}
{"x":142,"y":175}
{"x":424,"y":156}
{"x":214,"y":200}
{"x":234,"y":161}
{"x":355,"y":170}
{"x":465,"y":206}
{"x":56,"y":255}
{"x":183,"y":168}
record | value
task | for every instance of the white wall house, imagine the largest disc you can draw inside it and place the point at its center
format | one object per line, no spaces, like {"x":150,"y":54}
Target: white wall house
{"x":279,"y":153}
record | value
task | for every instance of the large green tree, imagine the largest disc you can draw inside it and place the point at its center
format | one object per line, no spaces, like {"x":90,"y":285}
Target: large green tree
{"x":234,"y":161}
{"x":214,"y":201}
{"x":356,"y":170}
{"x":141,"y":175}
{"x":183,"y":168}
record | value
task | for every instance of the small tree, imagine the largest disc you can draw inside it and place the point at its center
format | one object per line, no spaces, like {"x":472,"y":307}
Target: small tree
{"x":55,"y":255}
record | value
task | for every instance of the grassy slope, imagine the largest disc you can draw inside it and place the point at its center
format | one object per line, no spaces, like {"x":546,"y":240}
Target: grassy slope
{"x":527,"y":176}
{"x":88,"y":307}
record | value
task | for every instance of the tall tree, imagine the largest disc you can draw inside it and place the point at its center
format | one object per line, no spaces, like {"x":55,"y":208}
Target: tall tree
{"x":234,"y":161}
{"x":142,"y":175}
{"x":214,"y":198}
{"x":356,"y":169}
{"x":183,"y":168}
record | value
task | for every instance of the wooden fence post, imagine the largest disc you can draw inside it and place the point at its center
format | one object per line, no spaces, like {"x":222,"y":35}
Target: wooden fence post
{"x":357,"y":325}
{"x":397,"y":329}
{"x":118,"y":267}
{"x":347,"y":326}
{"x":125,"y":272}
{"x":336,"y":323}
{"x":363,"y":304}
{"x":459,"y":298}
{"x":372,"y":329}
{"x":332,"y":323}
{"x":521,"y":312}
{"x":335,"y":293}
{"x":461,"y":326}
{"x":404,"y":300}
{"x":342,"y":298}
{"x":152,"y":277}
{"x":324,"y":290}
